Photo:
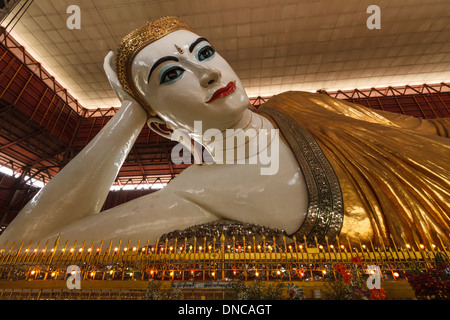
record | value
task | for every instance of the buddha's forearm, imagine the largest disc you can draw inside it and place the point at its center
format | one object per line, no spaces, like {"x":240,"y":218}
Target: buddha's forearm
{"x":82,"y":186}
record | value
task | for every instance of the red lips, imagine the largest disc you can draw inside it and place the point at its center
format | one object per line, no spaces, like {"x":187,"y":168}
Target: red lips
{"x":223,"y":92}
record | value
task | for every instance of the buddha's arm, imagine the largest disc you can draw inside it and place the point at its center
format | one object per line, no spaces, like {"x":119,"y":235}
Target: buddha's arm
{"x":438,"y":126}
{"x":146,"y":217}
{"x":81,"y":187}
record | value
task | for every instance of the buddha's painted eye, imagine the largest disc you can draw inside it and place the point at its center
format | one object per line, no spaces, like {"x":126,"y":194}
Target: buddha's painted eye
{"x":170,"y":74}
{"x":205,"y":53}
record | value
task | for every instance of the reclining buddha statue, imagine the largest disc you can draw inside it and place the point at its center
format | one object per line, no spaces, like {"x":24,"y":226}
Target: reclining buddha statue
{"x":345,"y":171}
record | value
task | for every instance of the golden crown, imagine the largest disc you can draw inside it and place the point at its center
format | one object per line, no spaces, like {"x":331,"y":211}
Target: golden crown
{"x":134,"y":42}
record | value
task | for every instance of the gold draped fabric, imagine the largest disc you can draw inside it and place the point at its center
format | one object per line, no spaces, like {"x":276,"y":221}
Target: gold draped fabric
{"x":393,"y":170}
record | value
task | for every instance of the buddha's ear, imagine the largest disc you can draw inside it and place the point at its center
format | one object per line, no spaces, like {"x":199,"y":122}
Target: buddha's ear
{"x":158,"y":125}
{"x":109,"y":67}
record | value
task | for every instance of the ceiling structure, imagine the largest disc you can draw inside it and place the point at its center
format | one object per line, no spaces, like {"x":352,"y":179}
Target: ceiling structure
{"x":273,"y":46}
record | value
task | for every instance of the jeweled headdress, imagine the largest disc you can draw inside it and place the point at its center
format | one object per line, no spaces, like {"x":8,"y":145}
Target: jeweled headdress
{"x":134,"y":42}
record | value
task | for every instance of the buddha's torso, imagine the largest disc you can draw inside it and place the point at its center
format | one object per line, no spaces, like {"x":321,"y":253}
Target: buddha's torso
{"x":240,"y":192}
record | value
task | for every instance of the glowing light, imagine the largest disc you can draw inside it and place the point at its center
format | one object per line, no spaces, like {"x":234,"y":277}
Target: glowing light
{"x":321,"y":247}
{"x":256,"y":274}
{"x":324,"y":272}
{"x":331,"y":246}
{"x":81,"y":250}
{"x":89,"y":250}
{"x":125,"y":249}
{"x":116,"y":249}
{"x":134,"y":248}
{"x":33,"y":272}
{"x":408,"y":246}
{"x":396,"y":275}
{"x":422,"y":246}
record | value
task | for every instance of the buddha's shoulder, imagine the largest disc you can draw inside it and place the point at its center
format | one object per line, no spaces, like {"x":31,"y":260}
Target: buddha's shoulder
{"x":297,"y":103}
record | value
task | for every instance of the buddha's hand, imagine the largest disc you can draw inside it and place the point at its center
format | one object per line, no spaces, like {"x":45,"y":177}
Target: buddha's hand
{"x":108,"y":66}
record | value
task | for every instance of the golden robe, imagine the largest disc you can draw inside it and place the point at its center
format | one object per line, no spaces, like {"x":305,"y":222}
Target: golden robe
{"x":393,"y":170}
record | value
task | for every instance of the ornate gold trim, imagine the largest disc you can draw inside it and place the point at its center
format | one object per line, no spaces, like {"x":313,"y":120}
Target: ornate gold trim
{"x":325,"y":214}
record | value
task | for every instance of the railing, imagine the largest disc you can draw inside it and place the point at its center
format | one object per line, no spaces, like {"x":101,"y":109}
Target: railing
{"x":64,"y":294}
{"x":199,"y":259}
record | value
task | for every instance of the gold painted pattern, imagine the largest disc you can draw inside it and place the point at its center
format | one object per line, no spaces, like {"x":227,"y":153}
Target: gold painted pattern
{"x":325,"y":203}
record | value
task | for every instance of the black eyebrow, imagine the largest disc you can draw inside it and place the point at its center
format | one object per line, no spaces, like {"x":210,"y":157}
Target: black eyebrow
{"x":157,"y":63}
{"x":196,"y":42}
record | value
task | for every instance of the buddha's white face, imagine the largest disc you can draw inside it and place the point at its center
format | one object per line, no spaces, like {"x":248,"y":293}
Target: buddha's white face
{"x":189,"y":83}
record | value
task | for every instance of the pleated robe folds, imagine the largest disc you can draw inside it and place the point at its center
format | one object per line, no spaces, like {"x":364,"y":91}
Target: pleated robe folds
{"x":393,"y":170}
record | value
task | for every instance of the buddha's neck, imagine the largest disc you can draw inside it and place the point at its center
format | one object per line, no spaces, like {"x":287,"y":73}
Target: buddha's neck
{"x":250,"y":136}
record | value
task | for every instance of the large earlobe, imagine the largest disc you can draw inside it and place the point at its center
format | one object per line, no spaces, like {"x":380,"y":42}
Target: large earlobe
{"x":158,"y":125}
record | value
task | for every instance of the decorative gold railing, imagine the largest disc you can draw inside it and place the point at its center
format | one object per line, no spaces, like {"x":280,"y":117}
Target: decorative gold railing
{"x":216,"y":260}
